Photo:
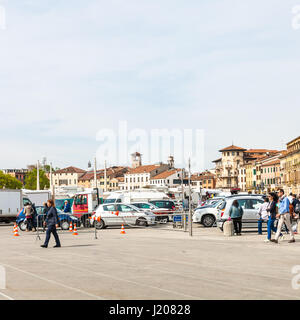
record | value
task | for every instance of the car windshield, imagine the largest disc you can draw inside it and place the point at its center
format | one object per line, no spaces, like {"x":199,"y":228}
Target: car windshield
{"x":217,"y":203}
{"x":164,"y":204}
{"x":144,"y":205}
{"x":221,"y":205}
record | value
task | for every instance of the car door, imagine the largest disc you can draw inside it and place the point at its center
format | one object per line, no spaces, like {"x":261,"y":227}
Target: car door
{"x":243,"y":203}
{"x":253,"y":206}
{"x":109,"y":216}
{"x":127,"y":215}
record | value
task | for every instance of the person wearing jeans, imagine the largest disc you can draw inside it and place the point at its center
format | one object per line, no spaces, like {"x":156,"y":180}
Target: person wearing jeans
{"x":236,"y":213}
{"x":271,"y":209}
{"x":284,"y":217}
{"x":263,"y":214}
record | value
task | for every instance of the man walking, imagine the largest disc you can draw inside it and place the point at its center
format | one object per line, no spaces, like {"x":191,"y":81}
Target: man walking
{"x":284,"y":216}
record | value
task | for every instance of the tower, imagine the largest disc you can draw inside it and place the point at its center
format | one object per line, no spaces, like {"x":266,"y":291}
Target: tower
{"x":171,"y":162}
{"x":136,"y":160}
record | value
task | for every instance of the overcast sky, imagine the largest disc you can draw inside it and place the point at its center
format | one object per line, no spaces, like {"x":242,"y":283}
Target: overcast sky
{"x":71,"y":68}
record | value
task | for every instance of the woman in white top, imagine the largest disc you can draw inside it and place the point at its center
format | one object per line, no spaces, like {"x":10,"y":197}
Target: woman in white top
{"x":263,"y":214}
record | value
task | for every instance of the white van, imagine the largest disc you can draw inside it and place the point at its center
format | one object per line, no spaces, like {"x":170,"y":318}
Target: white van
{"x":139,"y":195}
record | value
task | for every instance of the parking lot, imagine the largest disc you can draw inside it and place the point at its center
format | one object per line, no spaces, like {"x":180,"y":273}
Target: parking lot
{"x":148,"y":263}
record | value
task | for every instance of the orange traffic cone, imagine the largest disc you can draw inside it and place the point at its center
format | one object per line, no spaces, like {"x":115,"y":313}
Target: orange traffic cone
{"x":75,"y":233}
{"x":16,"y":233}
{"x":71,"y":227}
{"x":123,"y":230}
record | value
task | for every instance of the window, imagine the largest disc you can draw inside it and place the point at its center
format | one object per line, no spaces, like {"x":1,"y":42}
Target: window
{"x":252,"y":204}
{"x":233,"y":153}
{"x":124,"y":208}
{"x":110,"y":207}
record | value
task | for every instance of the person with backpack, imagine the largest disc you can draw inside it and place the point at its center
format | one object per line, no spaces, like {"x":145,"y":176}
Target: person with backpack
{"x":28,"y":216}
{"x":236,"y":213}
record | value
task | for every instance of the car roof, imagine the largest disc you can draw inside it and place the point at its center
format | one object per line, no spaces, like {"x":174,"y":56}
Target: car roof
{"x":141,"y":202}
{"x":246,"y":195}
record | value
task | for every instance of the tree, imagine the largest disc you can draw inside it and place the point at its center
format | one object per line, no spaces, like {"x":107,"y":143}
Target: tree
{"x":31,"y":180}
{"x":9,"y":182}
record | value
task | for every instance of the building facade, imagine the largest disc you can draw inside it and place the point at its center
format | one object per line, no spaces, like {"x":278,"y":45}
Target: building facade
{"x":140,"y":177}
{"x":166,"y":178}
{"x":237,"y":170}
{"x":67,"y":177}
{"x":19,"y":174}
{"x":108,"y":181}
{"x":206,"y":180}
{"x":290,"y":167}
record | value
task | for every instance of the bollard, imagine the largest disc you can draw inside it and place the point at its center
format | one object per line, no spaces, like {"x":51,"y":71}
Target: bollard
{"x":228,"y":228}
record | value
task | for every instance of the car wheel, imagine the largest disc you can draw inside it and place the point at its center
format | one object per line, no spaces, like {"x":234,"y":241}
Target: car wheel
{"x":64,"y":225}
{"x":100,"y":224}
{"x":142,"y":222}
{"x":86,"y":222}
{"x":208,"y":221}
{"x":22,"y":226}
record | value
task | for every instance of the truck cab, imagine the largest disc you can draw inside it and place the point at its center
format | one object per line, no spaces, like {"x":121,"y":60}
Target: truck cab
{"x":84,"y":204}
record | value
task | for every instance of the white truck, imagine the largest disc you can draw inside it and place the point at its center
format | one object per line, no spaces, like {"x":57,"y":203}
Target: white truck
{"x":137,"y":195}
{"x":11,"y":203}
{"x":38,"y":197}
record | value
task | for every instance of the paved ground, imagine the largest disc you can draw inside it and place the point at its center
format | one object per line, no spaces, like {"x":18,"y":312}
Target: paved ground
{"x":149,"y":263}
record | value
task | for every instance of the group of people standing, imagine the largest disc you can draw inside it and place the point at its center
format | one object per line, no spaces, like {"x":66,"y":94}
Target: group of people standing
{"x":278,"y":207}
{"x":277,"y":210}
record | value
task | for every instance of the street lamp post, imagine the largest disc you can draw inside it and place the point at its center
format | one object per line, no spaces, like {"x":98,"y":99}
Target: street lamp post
{"x":190,"y":204}
{"x":38,"y":176}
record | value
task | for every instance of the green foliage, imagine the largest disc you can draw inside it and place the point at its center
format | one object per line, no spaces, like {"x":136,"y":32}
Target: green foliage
{"x":31,"y":180}
{"x":9,"y":182}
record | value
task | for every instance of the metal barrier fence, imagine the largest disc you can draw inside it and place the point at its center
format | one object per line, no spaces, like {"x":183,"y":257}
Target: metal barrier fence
{"x":169,"y":221}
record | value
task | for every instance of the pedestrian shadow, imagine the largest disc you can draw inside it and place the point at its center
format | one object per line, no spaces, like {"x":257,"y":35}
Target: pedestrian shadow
{"x":79,"y":245}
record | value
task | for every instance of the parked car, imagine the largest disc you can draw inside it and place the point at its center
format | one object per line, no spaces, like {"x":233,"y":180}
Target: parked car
{"x":250,"y":205}
{"x":64,"y":219}
{"x":211,"y":202}
{"x":118,"y":214}
{"x":169,"y":205}
{"x":207,"y":215}
{"x":161,"y":213}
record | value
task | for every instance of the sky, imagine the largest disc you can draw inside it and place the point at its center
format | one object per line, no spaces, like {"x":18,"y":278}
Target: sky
{"x":69,"y":69}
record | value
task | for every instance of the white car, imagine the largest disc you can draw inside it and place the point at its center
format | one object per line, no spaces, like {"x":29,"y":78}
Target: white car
{"x":207,"y":216}
{"x":118,"y":214}
{"x":160,"y":213}
{"x":250,"y":205}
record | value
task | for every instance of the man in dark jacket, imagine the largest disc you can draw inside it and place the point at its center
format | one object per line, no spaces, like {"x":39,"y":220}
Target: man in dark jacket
{"x":52,"y":223}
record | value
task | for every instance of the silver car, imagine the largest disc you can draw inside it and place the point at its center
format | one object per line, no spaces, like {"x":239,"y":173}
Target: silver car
{"x":118,"y":213}
{"x":250,"y":205}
